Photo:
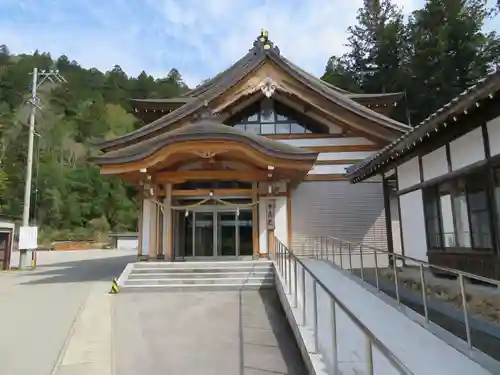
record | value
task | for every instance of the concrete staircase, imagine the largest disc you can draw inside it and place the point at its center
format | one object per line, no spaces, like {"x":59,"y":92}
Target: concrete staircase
{"x":185,"y":276}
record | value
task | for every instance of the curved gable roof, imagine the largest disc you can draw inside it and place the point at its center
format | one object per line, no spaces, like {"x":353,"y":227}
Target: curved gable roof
{"x":262,"y":49}
{"x":205,"y":130}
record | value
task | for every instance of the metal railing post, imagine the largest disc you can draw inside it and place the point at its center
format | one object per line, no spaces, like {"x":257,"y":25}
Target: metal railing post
{"x":295,"y":277}
{"x":361,"y":262}
{"x":285,"y":265}
{"x":396,"y":282}
{"x":369,"y":356}
{"x":304,"y":319}
{"x":340,"y":254}
{"x":315,"y":317}
{"x":349,"y":248}
{"x":376,"y":269}
{"x":464,"y":305}
{"x":424,"y":292}
{"x":289,"y":271}
{"x":335,"y":360}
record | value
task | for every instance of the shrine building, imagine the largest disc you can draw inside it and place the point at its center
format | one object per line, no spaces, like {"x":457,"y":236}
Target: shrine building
{"x":259,"y":151}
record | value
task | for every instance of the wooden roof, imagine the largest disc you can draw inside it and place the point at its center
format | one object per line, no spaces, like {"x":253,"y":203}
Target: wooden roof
{"x":262,"y":52}
{"x":205,"y":130}
{"x":468,"y":101}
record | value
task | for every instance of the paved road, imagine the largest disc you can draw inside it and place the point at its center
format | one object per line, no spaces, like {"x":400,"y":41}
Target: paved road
{"x":209,"y":333}
{"x":38,"y":308}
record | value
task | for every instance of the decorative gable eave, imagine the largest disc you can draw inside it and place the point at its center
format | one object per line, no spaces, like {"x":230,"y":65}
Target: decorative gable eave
{"x":471,"y":100}
{"x":262,"y":51}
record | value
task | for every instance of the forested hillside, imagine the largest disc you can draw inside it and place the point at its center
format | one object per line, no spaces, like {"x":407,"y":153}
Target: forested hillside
{"x":432,"y":56}
{"x":70,"y":198}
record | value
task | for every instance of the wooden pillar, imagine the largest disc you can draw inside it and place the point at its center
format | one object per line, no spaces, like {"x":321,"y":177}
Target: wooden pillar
{"x":388,"y":219}
{"x":159,"y":231}
{"x":139,"y":227}
{"x":169,"y":248}
{"x":153,"y":230}
{"x":255,"y":220}
{"x":289,"y":214}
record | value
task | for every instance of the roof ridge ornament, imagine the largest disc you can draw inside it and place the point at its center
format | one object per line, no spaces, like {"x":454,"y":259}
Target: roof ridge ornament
{"x":268,"y":87}
{"x":263,"y":43}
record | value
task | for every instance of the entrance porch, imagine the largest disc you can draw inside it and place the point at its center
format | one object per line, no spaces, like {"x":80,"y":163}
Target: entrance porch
{"x":211,"y":191}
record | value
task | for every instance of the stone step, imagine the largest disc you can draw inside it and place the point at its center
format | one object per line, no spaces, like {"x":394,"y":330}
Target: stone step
{"x":157,"y":270}
{"x":194,"y":287}
{"x":204,"y":281}
{"x":197,"y":275}
{"x":201,"y":265}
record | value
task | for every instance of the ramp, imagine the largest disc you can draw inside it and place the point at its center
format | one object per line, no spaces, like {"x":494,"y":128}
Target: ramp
{"x":210,"y":333}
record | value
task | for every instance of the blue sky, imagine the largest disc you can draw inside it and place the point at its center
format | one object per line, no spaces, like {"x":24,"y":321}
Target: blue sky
{"x":198,"y":37}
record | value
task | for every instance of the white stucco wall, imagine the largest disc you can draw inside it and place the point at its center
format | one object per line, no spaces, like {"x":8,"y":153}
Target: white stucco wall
{"x":435,"y":164}
{"x":467,"y":149}
{"x":408,"y":174}
{"x":281,"y":220}
{"x":413,"y":223}
{"x":147,"y":209}
{"x":262,"y":228}
{"x":127,"y":243}
{"x":493,"y":128}
{"x":387,"y":323}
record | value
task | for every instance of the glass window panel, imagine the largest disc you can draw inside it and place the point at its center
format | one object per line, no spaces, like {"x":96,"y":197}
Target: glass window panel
{"x":296,"y":128}
{"x":282,"y":128}
{"x":479,"y":211}
{"x":252,"y":118}
{"x":267,"y":115}
{"x":447,"y":220}
{"x":282,"y":118}
{"x":240,"y":126}
{"x":253,"y":128}
{"x":431,"y":209}
{"x":481,"y":236}
{"x":267,"y":128}
{"x":461,"y":219}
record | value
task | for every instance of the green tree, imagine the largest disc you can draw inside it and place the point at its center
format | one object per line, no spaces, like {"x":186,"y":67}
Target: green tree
{"x":450,"y":51}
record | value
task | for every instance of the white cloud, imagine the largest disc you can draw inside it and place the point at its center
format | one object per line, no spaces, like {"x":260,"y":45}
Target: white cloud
{"x":198,"y":37}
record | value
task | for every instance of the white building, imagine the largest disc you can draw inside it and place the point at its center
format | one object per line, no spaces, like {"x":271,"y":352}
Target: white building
{"x":447,"y":173}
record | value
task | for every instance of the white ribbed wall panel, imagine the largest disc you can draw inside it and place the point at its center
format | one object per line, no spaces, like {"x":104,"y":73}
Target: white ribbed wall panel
{"x":340,"y":209}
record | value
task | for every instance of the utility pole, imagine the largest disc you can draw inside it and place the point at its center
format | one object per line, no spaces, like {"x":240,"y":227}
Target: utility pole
{"x":33,"y":101}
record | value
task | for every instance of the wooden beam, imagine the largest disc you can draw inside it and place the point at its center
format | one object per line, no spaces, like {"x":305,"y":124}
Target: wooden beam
{"x":305,"y":136}
{"x":255,"y":221}
{"x":338,"y":162}
{"x":169,"y":251}
{"x":227,"y":175}
{"x":344,"y":148}
{"x":217,"y":192}
{"x":325,"y":177}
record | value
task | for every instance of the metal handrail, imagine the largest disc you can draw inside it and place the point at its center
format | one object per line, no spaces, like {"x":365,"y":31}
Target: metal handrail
{"x":283,"y":258}
{"x":323,"y":250}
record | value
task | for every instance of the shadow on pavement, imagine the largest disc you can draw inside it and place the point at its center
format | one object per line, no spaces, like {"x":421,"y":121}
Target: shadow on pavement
{"x":84,"y":270}
{"x":284,"y":343}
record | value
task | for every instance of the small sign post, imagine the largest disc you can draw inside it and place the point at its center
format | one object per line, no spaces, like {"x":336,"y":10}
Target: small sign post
{"x":28,"y":240}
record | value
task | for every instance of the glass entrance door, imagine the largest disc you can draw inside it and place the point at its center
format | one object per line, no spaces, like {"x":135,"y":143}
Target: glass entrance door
{"x":213,"y":231}
{"x":203,"y":234}
{"x":227,"y":234}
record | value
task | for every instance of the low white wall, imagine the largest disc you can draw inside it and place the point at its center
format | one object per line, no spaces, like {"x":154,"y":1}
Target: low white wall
{"x":281,"y":220}
{"x":413,"y":224}
{"x":417,"y":348}
{"x":408,"y":174}
{"x":467,"y":149}
{"x":262,"y":228}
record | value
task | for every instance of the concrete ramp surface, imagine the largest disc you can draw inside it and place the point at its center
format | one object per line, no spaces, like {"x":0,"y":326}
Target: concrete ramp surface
{"x":209,"y":333}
